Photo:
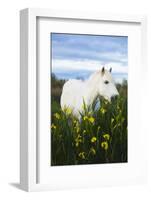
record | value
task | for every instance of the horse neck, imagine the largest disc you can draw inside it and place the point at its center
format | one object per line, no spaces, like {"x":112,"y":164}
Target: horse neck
{"x":92,"y":88}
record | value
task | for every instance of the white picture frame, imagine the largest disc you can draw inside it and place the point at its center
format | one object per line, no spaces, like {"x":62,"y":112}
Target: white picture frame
{"x":29,"y":147}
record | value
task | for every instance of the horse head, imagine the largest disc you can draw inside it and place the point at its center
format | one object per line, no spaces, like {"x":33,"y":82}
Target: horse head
{"x":106,"y":86}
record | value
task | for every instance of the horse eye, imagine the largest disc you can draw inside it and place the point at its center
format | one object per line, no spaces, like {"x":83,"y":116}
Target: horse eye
{"x":106,"y":82}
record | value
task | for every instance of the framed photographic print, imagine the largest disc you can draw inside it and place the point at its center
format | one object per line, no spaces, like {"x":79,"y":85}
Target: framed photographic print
{"x":81,"y":123}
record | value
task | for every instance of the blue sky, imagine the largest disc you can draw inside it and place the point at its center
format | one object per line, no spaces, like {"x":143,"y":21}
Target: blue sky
{"x":75,"y":55}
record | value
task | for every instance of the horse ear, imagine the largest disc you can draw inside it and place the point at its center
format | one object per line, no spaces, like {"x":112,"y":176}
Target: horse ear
{"x":103,"y":70}
{"x":110,"y":70}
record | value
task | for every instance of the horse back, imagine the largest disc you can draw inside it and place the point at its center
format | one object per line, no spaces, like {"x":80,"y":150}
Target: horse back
{"x":72,"y":92}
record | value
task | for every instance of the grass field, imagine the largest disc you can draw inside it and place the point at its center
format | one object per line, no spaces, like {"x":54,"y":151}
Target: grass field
{"x":99,"y":137}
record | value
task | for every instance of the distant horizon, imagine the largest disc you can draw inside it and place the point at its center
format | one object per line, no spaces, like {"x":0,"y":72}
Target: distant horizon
{"x":75,"y":55}
{"x":86,"y":75}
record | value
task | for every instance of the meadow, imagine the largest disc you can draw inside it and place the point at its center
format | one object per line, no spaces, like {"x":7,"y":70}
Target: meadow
{"x":100,"y":136}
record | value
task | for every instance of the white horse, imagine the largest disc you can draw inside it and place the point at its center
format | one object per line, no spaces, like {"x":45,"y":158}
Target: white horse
{"x":75,"y":92}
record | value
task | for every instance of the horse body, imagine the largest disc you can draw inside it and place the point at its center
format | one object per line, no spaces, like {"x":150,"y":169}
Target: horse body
{"x":75,"y":92}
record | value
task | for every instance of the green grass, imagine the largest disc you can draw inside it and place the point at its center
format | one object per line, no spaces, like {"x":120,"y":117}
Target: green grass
{"x":99,"y":137}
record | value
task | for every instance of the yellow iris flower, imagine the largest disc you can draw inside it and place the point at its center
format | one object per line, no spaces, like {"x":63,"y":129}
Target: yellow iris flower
{"x":68,"y":111}
{"x":103,"y":110}
{"x":57,"y":116}
{"x":90,"y":119}
{"x":82,"y":155}
{"x":93,"y":151}
{"x":93,"y":139}
{"x":53,"y":126}
{"x":106,"y":136}
{"x":105,"y":145}
{"x":85,"y":118}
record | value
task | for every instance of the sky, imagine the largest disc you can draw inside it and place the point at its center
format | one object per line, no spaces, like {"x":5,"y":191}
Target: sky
{"x":78,"y":56}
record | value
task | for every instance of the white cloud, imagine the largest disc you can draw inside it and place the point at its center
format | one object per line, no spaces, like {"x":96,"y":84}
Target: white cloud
{"x":67,"y":53}
{"x":90,"y":65}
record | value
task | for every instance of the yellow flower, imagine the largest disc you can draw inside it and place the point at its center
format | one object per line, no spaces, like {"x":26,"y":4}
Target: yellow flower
{"x":104,"y":145}
{"x":103,"y":110}
{"x":93,"y":139}
{"x":68,"y":111}
{"x":77,"y":129}
{"x":77,"y":143}
{"x":85,"y":118}
{"x":93,"y":151}
{"x":57,"y":116}
{"x":53,"y":126}
{"x":91,"y":119}
{"x":78,"y":140}
{"x":106,"y":136}
{"x":82,"y":155}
